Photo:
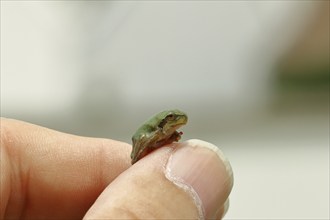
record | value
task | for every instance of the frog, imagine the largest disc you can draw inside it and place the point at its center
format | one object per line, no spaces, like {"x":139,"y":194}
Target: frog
{"x":159,"y":130}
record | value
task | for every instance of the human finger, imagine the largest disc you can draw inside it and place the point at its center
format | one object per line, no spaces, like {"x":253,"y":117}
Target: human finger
{"x":46,"y":173}
{"x":187,"y":180}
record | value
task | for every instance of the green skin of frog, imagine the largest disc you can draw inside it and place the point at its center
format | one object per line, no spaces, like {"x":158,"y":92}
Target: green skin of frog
{"x":156,"y":132}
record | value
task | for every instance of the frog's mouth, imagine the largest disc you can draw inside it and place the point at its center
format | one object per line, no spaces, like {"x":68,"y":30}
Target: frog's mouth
{"x":179,"y":125}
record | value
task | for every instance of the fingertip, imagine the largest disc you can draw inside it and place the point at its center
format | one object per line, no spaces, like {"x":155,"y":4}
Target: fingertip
{"x":202,"y":170}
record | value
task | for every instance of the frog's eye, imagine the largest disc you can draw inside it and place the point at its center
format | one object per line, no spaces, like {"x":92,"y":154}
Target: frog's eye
{"x":170,"y":117}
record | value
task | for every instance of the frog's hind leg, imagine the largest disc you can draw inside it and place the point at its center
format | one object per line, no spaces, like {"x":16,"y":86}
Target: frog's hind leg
{"x":146,"y":145}
{"x":141,"y":148}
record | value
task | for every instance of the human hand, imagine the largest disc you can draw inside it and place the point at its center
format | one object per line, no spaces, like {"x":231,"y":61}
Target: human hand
{"x":47,"y":174}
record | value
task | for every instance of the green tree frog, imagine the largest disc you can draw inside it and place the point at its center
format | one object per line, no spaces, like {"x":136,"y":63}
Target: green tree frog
{"x":158,"y":131}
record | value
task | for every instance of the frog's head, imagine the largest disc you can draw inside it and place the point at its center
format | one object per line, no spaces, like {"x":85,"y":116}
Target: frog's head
{"x":172,"y":120}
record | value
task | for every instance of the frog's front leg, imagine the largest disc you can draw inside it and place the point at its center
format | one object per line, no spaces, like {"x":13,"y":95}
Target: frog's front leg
{"x":176,"y":136}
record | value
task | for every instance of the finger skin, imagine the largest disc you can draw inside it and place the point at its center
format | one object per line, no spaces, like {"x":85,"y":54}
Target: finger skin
{"x":49,"y":174}
{"x":143,"y":192}
{"x":186,"y":180}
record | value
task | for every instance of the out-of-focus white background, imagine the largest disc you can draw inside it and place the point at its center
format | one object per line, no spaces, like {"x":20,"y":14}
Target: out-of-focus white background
{"x":253,"y":77}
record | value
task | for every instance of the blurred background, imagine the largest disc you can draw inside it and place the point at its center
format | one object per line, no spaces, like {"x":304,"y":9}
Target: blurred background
{"x":253,"y":77}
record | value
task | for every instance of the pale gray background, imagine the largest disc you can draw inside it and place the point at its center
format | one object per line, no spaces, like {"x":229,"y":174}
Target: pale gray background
{"x":101,"y":68}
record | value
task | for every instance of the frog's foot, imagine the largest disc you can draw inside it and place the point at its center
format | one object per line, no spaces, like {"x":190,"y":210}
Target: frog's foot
{"x":180,"y":133}
{"x":176,"y":136}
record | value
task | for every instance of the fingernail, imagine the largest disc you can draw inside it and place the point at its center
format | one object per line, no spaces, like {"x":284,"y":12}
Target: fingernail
{"x":202,"y":170}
